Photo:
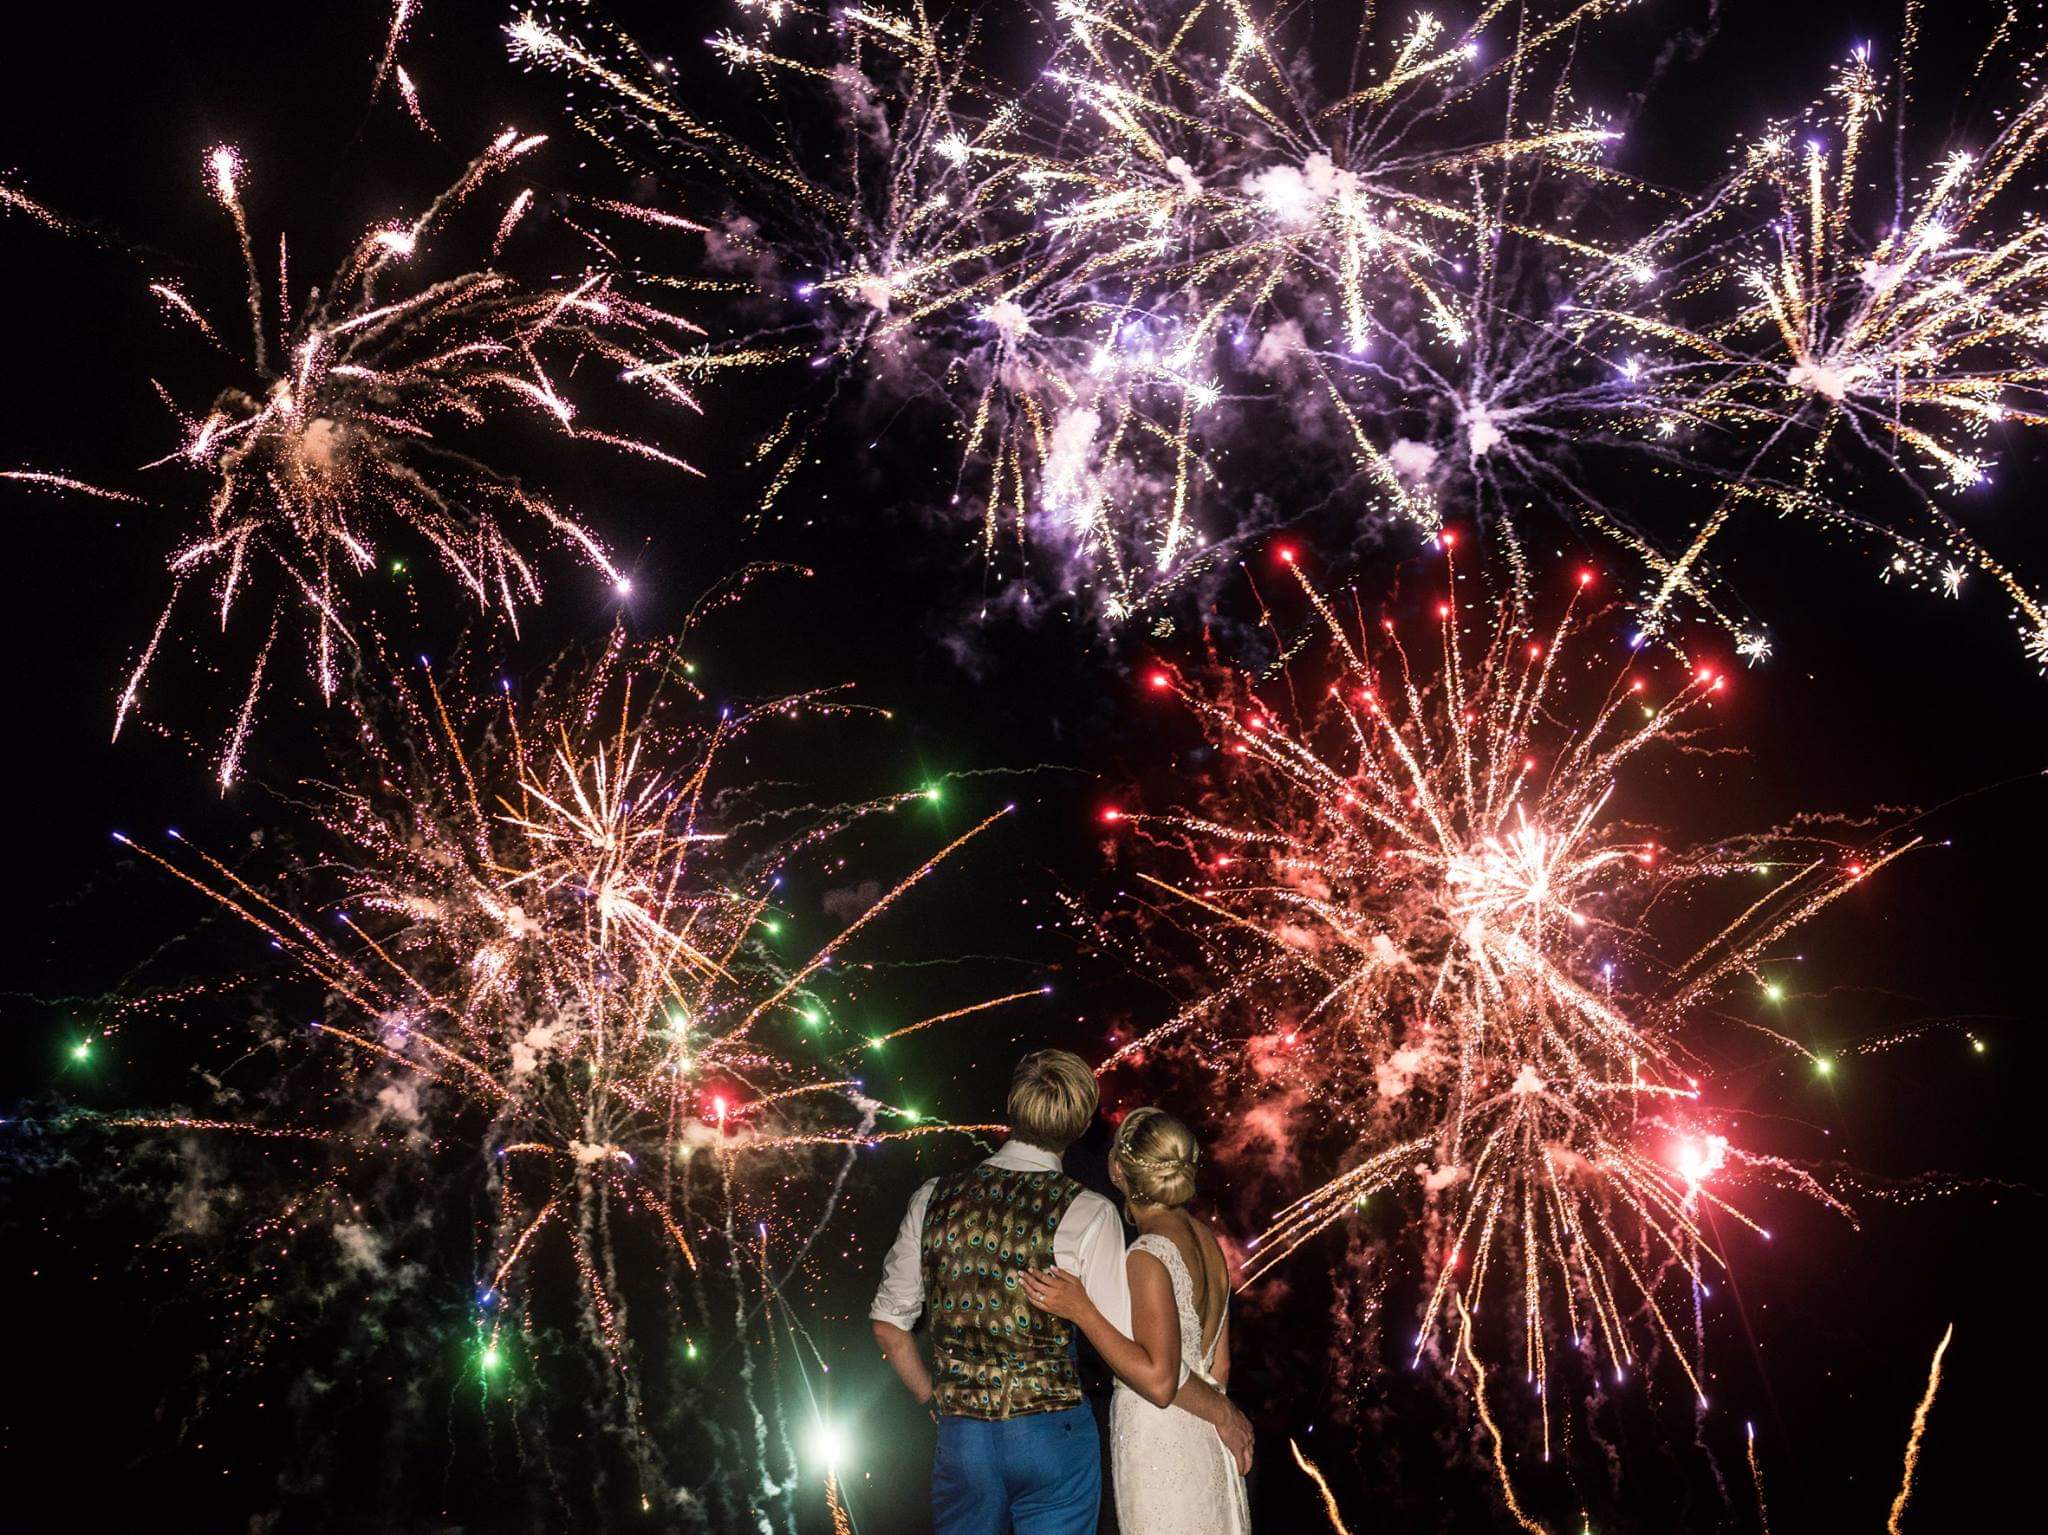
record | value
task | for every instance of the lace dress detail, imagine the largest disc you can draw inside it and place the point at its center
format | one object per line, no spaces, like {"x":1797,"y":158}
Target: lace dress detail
{"x":1171,"y":1473}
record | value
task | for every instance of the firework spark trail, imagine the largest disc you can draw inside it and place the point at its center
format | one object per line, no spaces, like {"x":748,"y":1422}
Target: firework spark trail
{"x":551,"y":948}
{"x":954,"y":1014}
{"x":1756,"y":1477}
{"x":841,"y":1525}
{"x":402,"y":12}
{"x":1785,"y":322}
{"x":1894,"y":1520}
{"x":22,"y":203}
{"x":1314,"y":1474}
{"x":359,"y":436}
{"x":1081,"y":263}
{"x":240,"y":1127}
{"x":409,"y":94}
{"x":38,"y":479}
{"x":1500,"y":1464}
{"x":1407,"y":884}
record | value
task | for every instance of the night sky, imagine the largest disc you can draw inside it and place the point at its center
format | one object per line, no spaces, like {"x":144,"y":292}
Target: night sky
{"x":119,"y":1404}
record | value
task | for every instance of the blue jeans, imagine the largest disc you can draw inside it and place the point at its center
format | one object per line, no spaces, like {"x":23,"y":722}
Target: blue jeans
{"x":1036,"y":1475}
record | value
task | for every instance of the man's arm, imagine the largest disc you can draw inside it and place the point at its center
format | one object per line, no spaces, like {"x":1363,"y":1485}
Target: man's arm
{"x":900,"y":1299}
{"x":1208,"y":1402}
{"x":900,"y":1349}
{"x":1215,"y":1409}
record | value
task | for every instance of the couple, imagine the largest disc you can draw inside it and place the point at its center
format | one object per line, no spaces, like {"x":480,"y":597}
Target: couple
{"x":1009,"y":1257}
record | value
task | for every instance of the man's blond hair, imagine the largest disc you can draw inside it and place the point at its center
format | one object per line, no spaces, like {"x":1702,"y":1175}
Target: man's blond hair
{"x":1052,"y":1098}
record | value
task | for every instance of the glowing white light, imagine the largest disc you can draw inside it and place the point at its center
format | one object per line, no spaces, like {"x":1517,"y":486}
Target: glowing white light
{"x":1007,"y":316}
{"x":828,"y":1445}
{"x":1698,"y":1158}
{"x":226,"y":164}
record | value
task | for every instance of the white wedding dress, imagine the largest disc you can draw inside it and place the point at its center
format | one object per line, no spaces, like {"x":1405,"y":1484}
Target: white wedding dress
{"x":1172,"y":1474}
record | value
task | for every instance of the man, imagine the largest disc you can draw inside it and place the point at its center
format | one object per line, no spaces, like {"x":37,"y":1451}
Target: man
{"x":1017,"y":1446}
{"x":1087,"y":1163}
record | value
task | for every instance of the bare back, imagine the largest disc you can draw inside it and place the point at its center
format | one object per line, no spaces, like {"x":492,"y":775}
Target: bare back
{"x":1203,"y":1255}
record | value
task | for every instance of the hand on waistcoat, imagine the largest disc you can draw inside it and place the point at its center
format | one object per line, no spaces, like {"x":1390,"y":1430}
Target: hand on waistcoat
{"x":1056,"y":1292}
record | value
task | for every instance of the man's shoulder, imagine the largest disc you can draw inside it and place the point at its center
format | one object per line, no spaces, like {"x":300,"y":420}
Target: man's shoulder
{"x":1090,"y":1205}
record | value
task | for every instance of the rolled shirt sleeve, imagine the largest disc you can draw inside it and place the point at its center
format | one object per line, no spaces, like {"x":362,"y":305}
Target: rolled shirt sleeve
{"x":900,"y":1299}
{"x":1090,"y":1243}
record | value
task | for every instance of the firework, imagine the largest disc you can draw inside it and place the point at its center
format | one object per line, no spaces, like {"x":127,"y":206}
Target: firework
{"x":1756,"y":1476}
{"x":1424,"y":915}
{"x":1864,"y":318}
{"x":1322,"y":1485}
{"x":547,"y":933}
{"x":12,"y":201}
{"x":1485,"y":1414}
{"x":1160,"y":266}
{"x":1098,"y":261}
{"x":357,"y":433}
{"x":1505,"y":428}
{"x":1897,"y":1512}
{"x":918,"y":263}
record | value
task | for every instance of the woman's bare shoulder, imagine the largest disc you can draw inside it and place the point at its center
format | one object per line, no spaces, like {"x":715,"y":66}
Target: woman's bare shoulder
{"x":1145,"y":1270}
{"x":1195,"y":1243}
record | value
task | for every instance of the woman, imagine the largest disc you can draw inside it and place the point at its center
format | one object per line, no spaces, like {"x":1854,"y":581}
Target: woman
{"x":1172,"y":1474}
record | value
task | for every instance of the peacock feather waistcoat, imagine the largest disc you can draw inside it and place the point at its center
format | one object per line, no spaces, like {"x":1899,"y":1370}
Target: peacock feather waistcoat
{"x":997,"y":1356}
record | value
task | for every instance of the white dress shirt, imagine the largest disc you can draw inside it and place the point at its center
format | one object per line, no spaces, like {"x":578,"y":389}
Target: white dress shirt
{"x":1089,"y":1241}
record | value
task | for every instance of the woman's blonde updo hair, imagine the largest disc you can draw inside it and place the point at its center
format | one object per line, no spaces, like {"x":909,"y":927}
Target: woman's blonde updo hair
{"x":1158,"y":1154}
